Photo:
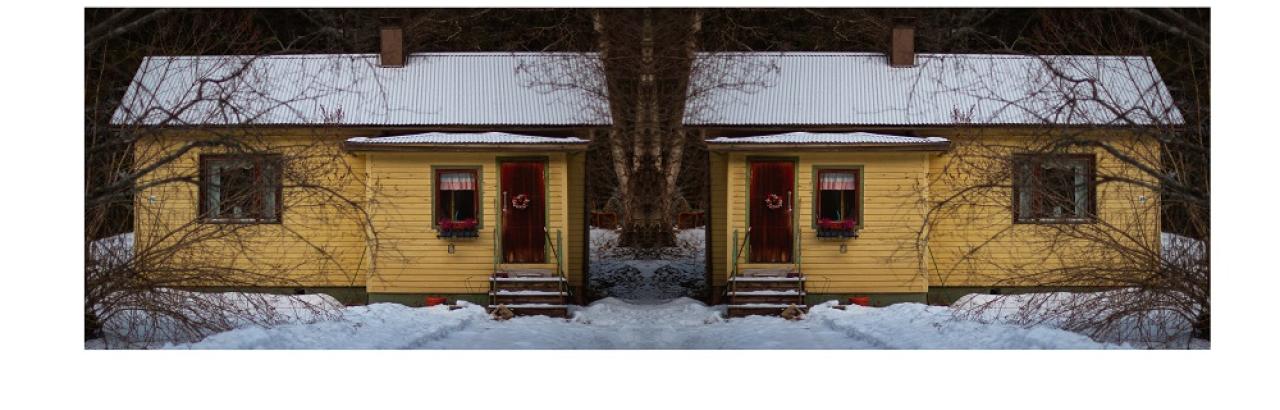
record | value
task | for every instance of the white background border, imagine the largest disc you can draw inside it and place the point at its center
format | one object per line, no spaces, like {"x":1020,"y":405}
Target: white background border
{"x":45,"y":365}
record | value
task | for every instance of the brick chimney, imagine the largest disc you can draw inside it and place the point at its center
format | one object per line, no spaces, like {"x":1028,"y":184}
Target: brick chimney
{"x":902,"y":48}
{"x":392,"y":39}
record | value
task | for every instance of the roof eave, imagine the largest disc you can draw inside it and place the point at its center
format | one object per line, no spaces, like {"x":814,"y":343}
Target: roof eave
{"x":539,"y":147}
{"x":408,"y":127}
{"x":860,"y":147}
{"x":861,"y":127}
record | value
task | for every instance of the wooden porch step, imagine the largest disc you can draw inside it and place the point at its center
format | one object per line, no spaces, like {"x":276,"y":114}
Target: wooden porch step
{"x":766,"y":306}
{"x":526,"y":280}
{"x":767,"y":273}
{"x":766,"y":279}
{"x":761,"y":309}
{"x":525,"y":273}
{"x":516,"y":297}
{"x":526,"y":284}
{"x":768,"y":293}
{"x":536,"y":309}
{"x":768,"y":296}
{"x":527,"y":293}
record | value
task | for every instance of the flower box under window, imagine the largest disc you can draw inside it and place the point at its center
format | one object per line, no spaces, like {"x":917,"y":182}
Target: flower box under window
{"x":466,"y":228}
{"x":830,"y":228}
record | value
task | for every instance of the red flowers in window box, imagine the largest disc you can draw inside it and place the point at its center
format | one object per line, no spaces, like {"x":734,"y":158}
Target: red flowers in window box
{"x":836,"y":228}
{"x":838,"y":225}
{"x":458,"y":228}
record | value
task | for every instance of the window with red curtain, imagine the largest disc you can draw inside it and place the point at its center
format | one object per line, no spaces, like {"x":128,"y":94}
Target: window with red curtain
{"x":457,"y":195}
{"x":837,"y":196}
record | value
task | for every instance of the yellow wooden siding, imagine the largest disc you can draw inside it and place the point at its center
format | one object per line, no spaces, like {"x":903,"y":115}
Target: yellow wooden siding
{"x":978,"y":245}
{"x":885,"y":258}
{"x":409,"y":258}
{"x":575,"y":224}
{"x":718,"y":225}
{"x":320,"y":241}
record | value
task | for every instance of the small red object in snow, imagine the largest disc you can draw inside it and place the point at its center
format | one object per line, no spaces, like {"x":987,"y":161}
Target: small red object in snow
{"x":860,"y":300}
{"x":432,"y":301}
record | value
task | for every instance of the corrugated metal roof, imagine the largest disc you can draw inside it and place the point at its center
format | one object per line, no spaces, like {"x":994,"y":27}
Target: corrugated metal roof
{"x":351,"y":89}
{"x":548,"y":89}
{"x":447,"y":138}
{"x":843,"y":138}
{"x":942,"y":89}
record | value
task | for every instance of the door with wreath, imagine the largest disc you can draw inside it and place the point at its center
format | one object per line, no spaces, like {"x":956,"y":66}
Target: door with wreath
{"x":772,"y":192}
{"x":524,"y":212}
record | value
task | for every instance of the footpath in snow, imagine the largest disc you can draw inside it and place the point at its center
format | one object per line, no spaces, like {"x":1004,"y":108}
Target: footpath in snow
{"x":617,"y":324}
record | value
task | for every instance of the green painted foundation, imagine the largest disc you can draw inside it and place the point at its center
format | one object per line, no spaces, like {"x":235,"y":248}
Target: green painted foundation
{"x":943,"y":295}
{"x":876,"y":299}
{"x":346,"y":295}
{"x":420,"y":299}
{"x":946,"y":295}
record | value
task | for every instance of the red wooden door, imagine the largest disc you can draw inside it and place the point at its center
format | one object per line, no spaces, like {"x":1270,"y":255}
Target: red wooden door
{"x":772,"y":190}
{"x":524,"y":215}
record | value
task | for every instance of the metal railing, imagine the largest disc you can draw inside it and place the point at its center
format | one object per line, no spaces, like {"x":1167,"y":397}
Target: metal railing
{"x":556,"y":249}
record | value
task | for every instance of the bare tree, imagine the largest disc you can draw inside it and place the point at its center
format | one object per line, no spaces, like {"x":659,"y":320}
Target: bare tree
{"x":139,"y":162}
{"x":1152,"y":170}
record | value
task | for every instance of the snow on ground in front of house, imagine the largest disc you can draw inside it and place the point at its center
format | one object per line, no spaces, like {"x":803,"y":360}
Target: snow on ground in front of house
{"x":319,"y":322}
{"x":619,"y":324}
{"x":1182,"y":251}
{"x":112,"y":250}
{"x":137,"y":324}
{"x":1157,"y":329}
{"x":678,"y":271}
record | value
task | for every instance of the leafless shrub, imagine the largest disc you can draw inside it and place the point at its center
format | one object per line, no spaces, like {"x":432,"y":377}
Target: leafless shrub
{"x":1152,"y":162}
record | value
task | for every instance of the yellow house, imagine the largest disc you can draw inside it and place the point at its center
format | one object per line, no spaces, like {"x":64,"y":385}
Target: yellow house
{"x":851,"y":175}
{"x":386,"y":177}
{"x":371,"y":177}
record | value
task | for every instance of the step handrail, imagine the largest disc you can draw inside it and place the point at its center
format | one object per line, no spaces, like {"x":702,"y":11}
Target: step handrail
{"x":564,"y":283}
{"x":737,"y":254}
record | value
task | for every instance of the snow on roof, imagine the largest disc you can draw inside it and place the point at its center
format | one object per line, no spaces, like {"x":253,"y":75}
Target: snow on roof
{"x":809,"y":88}
{"x":351,"y":89}
{"x":447,"y":138}
{"x":548,"y":89}
{"x":844,"y":138}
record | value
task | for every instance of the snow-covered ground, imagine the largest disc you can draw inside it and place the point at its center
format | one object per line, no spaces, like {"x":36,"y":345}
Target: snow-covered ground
{"x":1082,"y":312}
{"x":635,"y":322}
{"x":678,"y":271}
{"x":618,"y":324}
{"x":152,"y":319}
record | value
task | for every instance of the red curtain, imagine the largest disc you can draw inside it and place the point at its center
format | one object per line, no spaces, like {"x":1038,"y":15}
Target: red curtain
{"x":772,"y":190}
{"x":524,"y":212}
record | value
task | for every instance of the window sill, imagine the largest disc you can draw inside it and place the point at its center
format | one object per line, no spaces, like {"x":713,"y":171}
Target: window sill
{"x":839,"y":234}
{"x":240,"y":221}
{"x":1055,"y":221}
{"x":472,"y":234}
